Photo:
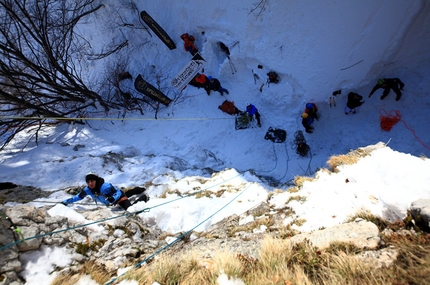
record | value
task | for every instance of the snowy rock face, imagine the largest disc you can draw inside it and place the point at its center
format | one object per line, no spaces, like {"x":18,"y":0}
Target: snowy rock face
{"x":120,"y":240}
{"x":316,"y":52}
{"x":130,"y":240}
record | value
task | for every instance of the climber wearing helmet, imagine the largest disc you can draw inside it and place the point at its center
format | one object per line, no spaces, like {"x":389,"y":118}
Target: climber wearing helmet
{"x":307,"y":121}
{"x":311,"y":109}
{"x":252,"y":110}
{"x":105,"y":193}
{"x":388,"y":84}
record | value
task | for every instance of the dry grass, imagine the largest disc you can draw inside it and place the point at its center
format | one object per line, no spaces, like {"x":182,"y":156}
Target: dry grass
{"x":347,"y":159}
{"x":368,"y":216}
{"x":97,"y":272}
{"x":249,"y":227}
{"x":335,"y":161}
{"x":299,"y":180}
{"x":413,"y":263}
{"x":280,"y":262}
{"x":66,"y":279}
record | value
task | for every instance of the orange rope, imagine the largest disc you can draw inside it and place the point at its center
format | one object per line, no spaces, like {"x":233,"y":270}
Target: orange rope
{"x":389,"y":120}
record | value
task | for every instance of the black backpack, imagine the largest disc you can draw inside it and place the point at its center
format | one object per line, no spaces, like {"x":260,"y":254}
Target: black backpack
{"x":276,"y":135}
{"x":273,"y":77}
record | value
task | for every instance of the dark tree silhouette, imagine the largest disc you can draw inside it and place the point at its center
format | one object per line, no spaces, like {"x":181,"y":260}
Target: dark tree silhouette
{"x":41,"y":64}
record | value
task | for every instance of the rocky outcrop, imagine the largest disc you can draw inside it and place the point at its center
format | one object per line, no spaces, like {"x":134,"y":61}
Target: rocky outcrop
{"x":360,"y":233}
{"x":119,"y":240}
{"x":10,"y":265}
{"x":10,"y":192}
{"x":420,"y":211}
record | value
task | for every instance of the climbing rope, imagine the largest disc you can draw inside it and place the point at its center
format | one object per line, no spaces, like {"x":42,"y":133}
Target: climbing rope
{"x":288,"y":159}
{"x":108,"y":119}
{"x":299,"y":144}
{"x":180,"y":237}
{"x":127,"y":214}
{"x":303,"y":149}
{"x":71,"y":228}
{"x":388,"y":120}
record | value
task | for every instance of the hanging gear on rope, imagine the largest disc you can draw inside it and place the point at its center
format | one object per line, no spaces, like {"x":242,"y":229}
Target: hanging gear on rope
{"x":300,"y":145}
{"x":388,"y":120}
{"x":12,"y":226}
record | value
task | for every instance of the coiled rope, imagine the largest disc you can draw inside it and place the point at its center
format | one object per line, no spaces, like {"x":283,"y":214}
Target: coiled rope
{"x":388,"y":120}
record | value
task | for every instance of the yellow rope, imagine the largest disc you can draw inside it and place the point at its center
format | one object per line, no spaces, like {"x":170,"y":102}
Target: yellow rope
{"x":110,"y":119}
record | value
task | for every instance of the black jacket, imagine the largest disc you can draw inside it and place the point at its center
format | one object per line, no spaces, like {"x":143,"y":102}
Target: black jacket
{"x":354,"y":100}
{"x":215,"y":84}
{"x":391,"y":83}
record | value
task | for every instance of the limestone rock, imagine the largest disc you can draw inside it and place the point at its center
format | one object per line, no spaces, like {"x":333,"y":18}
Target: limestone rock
{"x":420,"y":211}
{"x":360,"y":233}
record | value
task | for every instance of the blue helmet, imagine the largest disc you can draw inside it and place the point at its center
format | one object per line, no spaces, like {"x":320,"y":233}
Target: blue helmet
{"x":210,"y":77}
{"x":309,"y":106}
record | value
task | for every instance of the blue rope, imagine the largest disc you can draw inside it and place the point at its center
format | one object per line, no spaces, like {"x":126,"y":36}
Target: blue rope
{"x":127,"y":214}
{"x":288,"y":159}
{"x":180,"y":237}
{"x":72,"y":228}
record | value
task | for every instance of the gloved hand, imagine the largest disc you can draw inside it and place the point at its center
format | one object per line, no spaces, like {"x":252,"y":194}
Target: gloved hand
{"x":64,"y":203}
{"x":110,"y":199}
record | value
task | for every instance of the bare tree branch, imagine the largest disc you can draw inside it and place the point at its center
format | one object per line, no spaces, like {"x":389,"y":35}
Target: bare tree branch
{"x":41,"y":62}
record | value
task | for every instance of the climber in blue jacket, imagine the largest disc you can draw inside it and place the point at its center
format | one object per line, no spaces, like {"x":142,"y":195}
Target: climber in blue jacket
{"x":105,"y":193}
{"x":253,"y":111}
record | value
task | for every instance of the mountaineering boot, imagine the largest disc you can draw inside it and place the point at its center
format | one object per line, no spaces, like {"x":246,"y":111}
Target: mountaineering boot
{"x":398,"y":97}
{"x":144,"y":197}
{"x":140,"y":189}
{"x":383,"y":96}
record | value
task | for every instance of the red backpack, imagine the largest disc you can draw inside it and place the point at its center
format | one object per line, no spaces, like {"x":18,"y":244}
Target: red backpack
{"x":184,"y":36}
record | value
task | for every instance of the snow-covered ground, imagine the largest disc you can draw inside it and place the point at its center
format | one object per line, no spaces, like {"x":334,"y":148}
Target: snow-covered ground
{"x":316,"y":48}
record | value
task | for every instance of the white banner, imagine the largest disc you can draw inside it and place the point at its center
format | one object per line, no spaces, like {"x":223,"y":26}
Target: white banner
{"x":188,"y":72}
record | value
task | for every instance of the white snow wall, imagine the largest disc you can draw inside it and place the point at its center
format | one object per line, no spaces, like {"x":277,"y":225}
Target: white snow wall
{"x":316,"y":46}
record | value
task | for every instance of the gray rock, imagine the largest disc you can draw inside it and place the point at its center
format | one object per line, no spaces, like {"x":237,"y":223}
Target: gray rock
{"x":360,"y":233}
{"x":420,"y":211}
{"x":25,"y":215}
{"x":10,"y":278}
{"x":31,"y":244}
{"x":379,"y":258}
